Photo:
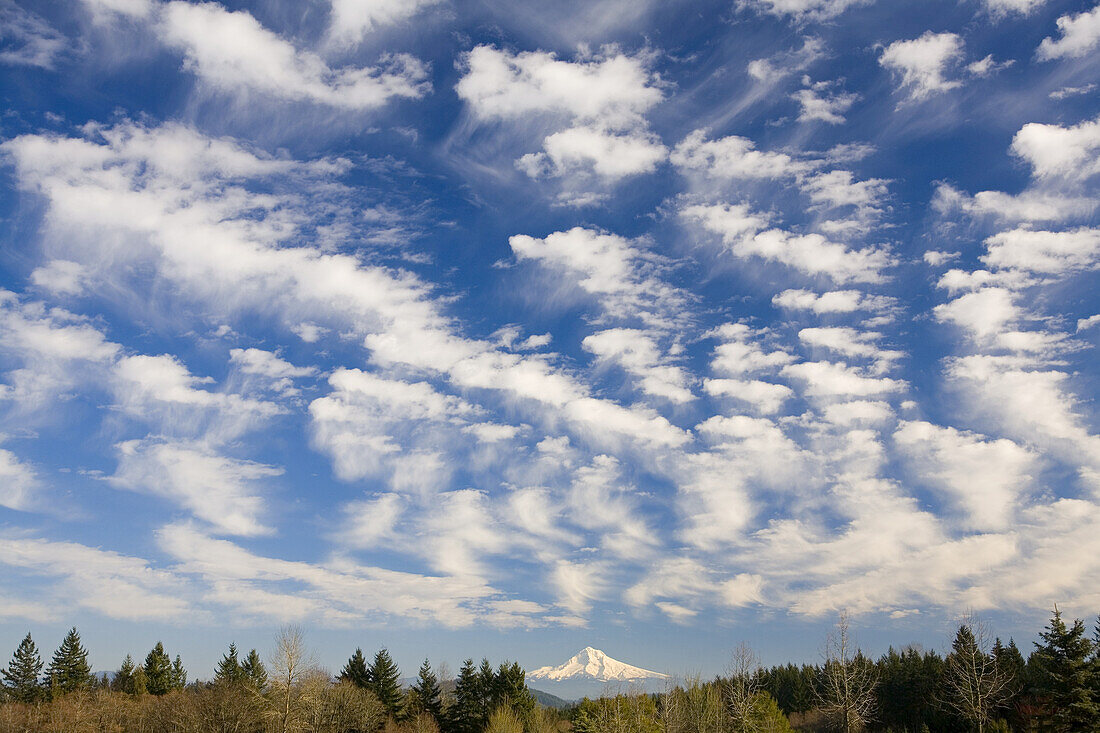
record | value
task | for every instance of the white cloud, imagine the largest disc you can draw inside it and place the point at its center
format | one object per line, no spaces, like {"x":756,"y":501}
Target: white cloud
{"x":1053,"y":253}
{"x":1080,"y":34}
{"x":1064,"y":152}
{"x":53,"y":349}
{"x":839,"y":188}
{"x":623,"y":277}
{"x":26,"y":39}
{"x":984,"y":313}
{"x":215,"y":488}
{"x":828,"y":108}
{"x":611,"y":91}
{"x":834,"y":301}
{"x":831,"y":379}
{"x":18,"y":482}
{"x":114,"y":585}
{"x":339,"y":592}
{"x":858,"y":413}
{"x":352,"y":20}
{"x":766,"y":398}
{"x":739,"y":354}
{"x":1066,"y":92}
{"x":611,"y":155}
{"x":1001,"y":8}
{"x":804,"y":9}
{"x":601,"y":501}
{"x":924,"y":62}
{"x":368,"y":523}
{"x":1087,"y":323}
{"x":849,"y":342}
{"x":106,"y":10}
{"x":637,"y":353}
{"x":278,"y":372}
{"x":1031,"y":204}
{"x":811,"y":253}
{"x":733,"y":157}
{"x":984,"y":478}
{"x":162,"y":390}
{"x":232,"y":52}
{"x":1033,"y":406}
{"x":59,"y":276}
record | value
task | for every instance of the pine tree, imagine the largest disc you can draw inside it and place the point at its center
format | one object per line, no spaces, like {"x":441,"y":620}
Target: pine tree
{"x":384,"y":682}
{"x":21,"y":676}
{"x":468,"y":713}
{"x":158,"y":671}
{"x":254,"y":671}
{"x":229,"y":670}
{"x":69,"y":670}
{"x":355,"y":671}
{"x":140,"y":685}
{"x":427,"y":691}
{"x":509,"y":688}
{"x":124,"y":677}
{"x":179,"y":674}
{"x":1065,"y":676}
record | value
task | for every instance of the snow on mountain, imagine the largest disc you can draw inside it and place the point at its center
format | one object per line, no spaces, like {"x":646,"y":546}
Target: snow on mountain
{"x":592,"y":664}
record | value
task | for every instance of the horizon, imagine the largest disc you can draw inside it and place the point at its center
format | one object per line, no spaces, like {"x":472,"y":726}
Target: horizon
{"x":479,"y":329}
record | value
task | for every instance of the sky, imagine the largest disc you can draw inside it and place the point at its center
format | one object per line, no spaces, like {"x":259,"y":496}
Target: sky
{"x":482,"y":328}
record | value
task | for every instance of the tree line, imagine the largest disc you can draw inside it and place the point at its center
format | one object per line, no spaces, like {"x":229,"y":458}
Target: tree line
{"x":981,"y":684}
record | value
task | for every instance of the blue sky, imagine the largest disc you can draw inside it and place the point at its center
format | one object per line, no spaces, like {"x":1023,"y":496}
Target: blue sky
{"x":496,"y":328}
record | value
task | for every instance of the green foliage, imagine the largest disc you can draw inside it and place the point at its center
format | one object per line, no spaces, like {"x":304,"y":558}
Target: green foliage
{"x":255,"y":674}
{"x":140,"y":685}
{"x":21,"y":676}
{"x":229,"y":669}
{"x":768,"y":717}
{"x":124,"y":677}
{"x":159,"y":677}
{"x":69,"y":670}
{"x":508,"y":688}
{"x":426,"y":691}
{"x":355,"y":671}
{"x":384,"y":681}
{"x":1065,"y":676}
{"x":504,"y":720}
{"x":467,"y":715}
{"x":621,"y":713}
{"x":179,"y":674}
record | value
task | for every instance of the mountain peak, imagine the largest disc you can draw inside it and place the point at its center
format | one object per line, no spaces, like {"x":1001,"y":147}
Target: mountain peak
{"x":592,"y":664}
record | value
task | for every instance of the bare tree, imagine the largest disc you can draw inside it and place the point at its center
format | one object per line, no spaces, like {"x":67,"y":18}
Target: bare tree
{"x":740,"y":688}
{"x":846,"y":689}
{"x":291,"y":663}
{"x":973,"y":683}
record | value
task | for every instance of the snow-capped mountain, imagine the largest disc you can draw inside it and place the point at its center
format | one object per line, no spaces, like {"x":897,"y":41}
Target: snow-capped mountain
{"x":593,"y":665}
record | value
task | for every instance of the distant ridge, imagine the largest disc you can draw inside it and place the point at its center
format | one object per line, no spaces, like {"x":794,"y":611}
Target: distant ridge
{"x":551,"y":701}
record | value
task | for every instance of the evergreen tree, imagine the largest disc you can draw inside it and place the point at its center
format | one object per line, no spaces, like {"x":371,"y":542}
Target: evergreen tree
{"x":179,"y":674}
{"x":229,"y":670}
{"x":384,"y":682}
{"x":254,"y":671}
{"x":427,"y":692}
{"x":355,"y":671}
{"x":21,"y":676}
{"x":509,"y":688}
{"x":468,"y":714}
{"x":159,"y":679}
{"x":1010,"y":660}
{"x":69,"y":670}
{"x":1065,"y":676}
{"x":140,"y":684}
{"x":124,"y":677}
